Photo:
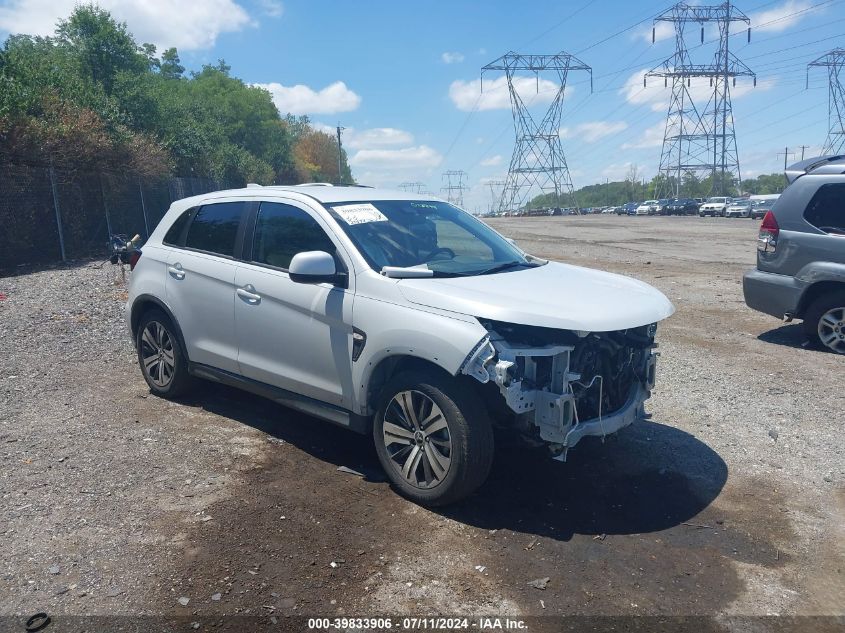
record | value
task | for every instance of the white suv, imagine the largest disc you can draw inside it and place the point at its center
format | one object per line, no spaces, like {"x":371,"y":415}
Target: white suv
{"x":393,"y":314}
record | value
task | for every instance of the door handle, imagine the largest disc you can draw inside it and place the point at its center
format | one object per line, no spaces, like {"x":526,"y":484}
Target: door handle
{"x":247,"y":293}
{"x":176,"y":271}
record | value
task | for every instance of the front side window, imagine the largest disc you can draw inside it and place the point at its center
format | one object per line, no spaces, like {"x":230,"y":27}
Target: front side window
{"x":429,"y":234}
{"x":215,"y":227}
{"x":826,"y":210}
{"x":282,"y":231}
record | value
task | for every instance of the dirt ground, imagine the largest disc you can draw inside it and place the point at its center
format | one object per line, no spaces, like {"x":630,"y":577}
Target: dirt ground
{"x":729,"y":501}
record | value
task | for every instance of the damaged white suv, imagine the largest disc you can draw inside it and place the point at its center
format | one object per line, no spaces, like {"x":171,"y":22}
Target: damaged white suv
{"x":392,"y":314}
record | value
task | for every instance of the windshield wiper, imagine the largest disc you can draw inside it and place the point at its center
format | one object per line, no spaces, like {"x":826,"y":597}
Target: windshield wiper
{"x":505,"y":266}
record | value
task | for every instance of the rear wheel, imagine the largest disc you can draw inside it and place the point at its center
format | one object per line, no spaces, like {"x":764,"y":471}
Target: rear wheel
{"x":824,"y":321}
{"x":163,"y":364}
{"x":433,"y":439}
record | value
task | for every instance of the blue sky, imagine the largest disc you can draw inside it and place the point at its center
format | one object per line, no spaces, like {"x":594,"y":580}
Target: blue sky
{"x":402,"y":77}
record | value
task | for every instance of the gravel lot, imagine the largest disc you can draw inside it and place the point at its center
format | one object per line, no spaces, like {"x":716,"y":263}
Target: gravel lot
{"x":729,"y":501}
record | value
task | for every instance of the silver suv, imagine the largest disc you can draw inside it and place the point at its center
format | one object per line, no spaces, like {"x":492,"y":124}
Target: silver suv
{"x":801,"y":253}
{"x":392,"y":314}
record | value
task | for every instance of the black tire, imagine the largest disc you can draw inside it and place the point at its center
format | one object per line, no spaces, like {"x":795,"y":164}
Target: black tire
{"x":180,"y":381}
{"x":813,"y":315}
{"x":469,"y":431}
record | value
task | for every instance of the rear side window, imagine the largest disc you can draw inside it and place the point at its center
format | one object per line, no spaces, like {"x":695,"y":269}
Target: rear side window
{"x":173,"y":237}
{"x":826,"y":210}
{"x":215,"y":227}
{"x":282,"y":231}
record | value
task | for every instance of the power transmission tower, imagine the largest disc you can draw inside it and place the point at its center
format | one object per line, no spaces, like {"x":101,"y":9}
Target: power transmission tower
{"x":700,"y":139}
{"x":835,"y":63}
{"x":412,"y":187}
{"x":496,"y":189}
{"x":454,"y":187}
{"x":538,"y":164}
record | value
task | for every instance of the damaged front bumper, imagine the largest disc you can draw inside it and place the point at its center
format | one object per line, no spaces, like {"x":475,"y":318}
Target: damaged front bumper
{"x":546,"y":400}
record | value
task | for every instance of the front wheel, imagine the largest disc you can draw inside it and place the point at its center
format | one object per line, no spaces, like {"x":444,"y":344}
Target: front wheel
{"x":433,"y":438}
{"x":824,"y":321}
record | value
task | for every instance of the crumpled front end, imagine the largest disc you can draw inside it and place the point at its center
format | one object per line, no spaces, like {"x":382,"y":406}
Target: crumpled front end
{"x":559,"y":386}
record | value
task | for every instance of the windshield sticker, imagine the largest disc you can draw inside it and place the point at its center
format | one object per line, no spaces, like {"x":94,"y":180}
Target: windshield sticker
{"x":360,"y":213}
{"x":424,"y":205}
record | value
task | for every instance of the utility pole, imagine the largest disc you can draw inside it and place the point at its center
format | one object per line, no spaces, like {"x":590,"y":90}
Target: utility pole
{"x":538,"y":165}
{"x":454,"y":187}
{"x":803,"y":147}
{"x":786,"y":153}
{"x":834,"y":61}
{"x":700,"y":138}
{"x":339,"y":155}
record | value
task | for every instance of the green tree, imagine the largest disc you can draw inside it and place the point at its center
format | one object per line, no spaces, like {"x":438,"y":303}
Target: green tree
{"x":171,"y":66}
{"x":102,"y":46}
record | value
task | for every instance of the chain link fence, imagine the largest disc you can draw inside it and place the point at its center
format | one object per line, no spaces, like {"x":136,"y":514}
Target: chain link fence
{"x":49,"y":215}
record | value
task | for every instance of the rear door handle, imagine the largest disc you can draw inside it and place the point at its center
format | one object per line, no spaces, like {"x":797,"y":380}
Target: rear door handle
{"x":176,"y":271}
{"x":248,"y":294}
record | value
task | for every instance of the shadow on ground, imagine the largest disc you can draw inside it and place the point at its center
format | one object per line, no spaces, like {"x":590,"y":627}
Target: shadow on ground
{"x":790,"y":335}
{"x":647,"y":478}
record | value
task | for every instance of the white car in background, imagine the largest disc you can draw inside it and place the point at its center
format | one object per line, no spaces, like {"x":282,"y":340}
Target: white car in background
{"x":714,"y":206}
{"x":649,"y":207}
{"x":454,"y":328}
{"x":739,"y":208}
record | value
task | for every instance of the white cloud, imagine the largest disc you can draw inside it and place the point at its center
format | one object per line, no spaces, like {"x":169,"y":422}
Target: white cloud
{"x":594,"y":130}
{"x":378,"y":137}
{"x":165,"y":23}
{"x":492,"y":161}
{"x":452,"y":58}
{"x":781,"y":17}
{"x":466,"y":94}
{"x":417,"y":157}
{"x":371,"y":138}
{"x":302,"y":99}
{"x":656,"y":94}
{"x":272,"y":8}
{"x":651,"y":137}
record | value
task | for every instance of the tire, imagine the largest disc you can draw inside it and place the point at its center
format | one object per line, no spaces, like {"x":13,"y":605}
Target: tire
{"x":824,"y":322}
{"x":464,"y":431}
{"x":167,"y":375}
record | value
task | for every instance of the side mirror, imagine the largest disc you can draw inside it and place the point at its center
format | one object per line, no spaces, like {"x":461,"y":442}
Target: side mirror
{"x":314,"y":267}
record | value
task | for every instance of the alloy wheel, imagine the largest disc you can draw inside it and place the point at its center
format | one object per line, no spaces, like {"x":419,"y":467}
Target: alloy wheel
{"x":157,"y":355}
{"x":831,"y":329}
{"x":417,"y":439}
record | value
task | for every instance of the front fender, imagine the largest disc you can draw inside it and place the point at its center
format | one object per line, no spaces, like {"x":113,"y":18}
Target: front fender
{"x":396,"y":330}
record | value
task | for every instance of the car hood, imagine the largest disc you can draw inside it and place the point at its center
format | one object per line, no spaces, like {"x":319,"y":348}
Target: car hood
{"x":555,"y":295}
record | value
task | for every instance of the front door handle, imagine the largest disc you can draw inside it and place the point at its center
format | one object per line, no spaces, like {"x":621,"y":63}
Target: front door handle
{"x":247,"y":293}
{"x":176,"y":271}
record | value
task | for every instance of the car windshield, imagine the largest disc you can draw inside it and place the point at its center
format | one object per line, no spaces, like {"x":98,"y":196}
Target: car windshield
{"x":717,"y":199}
{"x":425,"y":234}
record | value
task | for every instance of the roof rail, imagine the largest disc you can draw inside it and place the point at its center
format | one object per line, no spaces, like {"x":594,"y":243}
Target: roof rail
{"x":252,"y":185}
{"x":315,"y":184}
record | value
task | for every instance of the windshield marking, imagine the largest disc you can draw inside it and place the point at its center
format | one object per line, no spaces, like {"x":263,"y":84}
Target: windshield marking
{"x":360,"y":213}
